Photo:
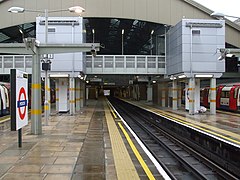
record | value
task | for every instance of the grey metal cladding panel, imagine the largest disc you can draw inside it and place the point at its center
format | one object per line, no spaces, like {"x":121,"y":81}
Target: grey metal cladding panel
{"x":62,"y":38}
{"x":60,"y":29}
{"x":64,"y":62}
{"x":68,"y":56}
{"x":66,"y":66}
{"x":141,"y":9}
{"x":152,"y":9}
{"x":205,"y":39}
{"x":116,"y":8}
{"x":205,"y":57}
{"x":200,"y":48}
{"x":221,"y":40}
{"x":204,"y":67}
{"x":185,"y":66}
{"x":220,"y":66}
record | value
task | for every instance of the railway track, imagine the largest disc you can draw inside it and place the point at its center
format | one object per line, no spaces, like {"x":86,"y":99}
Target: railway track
{"x":178,"y":159}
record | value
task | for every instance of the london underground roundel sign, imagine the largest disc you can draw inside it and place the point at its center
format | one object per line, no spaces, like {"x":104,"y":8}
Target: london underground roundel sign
{"x":19,"y":99}
{"x":22,"y":103}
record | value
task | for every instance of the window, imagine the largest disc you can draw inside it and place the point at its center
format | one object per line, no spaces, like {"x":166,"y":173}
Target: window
{"x":236,"y":92}
{"x":225,"y":94}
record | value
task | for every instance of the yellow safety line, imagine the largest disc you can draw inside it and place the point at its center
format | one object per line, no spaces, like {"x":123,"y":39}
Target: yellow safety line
{"x":195,"y":126}
{"x":137,"y":154}
{"x":201,"y":128}
{"x":125,"y":168}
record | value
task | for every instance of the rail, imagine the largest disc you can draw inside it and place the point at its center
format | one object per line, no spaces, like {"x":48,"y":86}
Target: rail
{"x":125,"y":64}
{"x":100,"y":64}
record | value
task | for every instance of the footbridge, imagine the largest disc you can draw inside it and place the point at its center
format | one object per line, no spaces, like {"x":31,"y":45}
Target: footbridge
{"x":100,"y":64}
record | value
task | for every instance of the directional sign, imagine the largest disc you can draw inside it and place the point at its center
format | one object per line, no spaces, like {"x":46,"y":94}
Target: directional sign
{"x":19,"y":99}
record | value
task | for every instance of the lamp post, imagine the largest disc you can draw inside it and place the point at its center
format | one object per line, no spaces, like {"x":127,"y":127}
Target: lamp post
{"x":152,"y":42}
{"x":93,"y":35}
{"x":122,"y":40}
{"x":36,"y":73}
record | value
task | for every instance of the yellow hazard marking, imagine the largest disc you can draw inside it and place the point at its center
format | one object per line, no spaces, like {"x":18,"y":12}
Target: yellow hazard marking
{"x":213,"y":100}
{"x":57,"y":99}
{"x":191,"y":101}
{"x":57,"y":89}
{"x":198,"y":127}
{"x":46,"y":107}
{"x":72,"y":101}
{"x":71,"y":89}
{"x":137,"y":154}
{"x":36,"y":111}
{"x":125,"y":168}
{"x":174,"y":99}
{"x":47,"y":88}
{"x":162,"y":113}
{"x":36,"y":86}
{"x":213,"y":89}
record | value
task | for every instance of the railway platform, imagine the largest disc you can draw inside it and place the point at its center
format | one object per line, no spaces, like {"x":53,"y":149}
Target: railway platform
{"x":224,"y":125}
{"x":88,"y":145}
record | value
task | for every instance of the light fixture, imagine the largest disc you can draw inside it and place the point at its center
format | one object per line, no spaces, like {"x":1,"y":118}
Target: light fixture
{"x":182,"y":76}
{"x":76,"y":9}
{"x":87,"y":81}
{"x":154,"y":82}
{"x":16,"y":10}
{"x":93,"y":31}
{"x":59,"y":75}
{"x":152,"y":32}
{"x":203,"y":75}
{"x":122,"y":31}
{"x":221,"y":15}
{"x":173,"y":78}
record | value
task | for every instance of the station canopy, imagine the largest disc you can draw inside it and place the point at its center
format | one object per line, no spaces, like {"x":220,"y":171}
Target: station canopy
{"x":139,"y":37}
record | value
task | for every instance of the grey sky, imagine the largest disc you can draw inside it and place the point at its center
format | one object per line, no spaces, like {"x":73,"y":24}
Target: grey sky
{"x":229,"y":7}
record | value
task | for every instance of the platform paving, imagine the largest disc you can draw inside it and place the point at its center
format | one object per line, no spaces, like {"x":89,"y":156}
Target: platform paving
{"x":71,"y":147}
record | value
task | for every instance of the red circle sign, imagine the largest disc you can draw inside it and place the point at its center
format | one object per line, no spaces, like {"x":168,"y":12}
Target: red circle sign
{"x":22,"y":115}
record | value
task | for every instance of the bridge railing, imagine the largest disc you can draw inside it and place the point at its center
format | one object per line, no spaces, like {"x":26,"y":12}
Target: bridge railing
{"x":100,"y":64}
{"x":125,"y":64}
{"x":22,"y":62}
